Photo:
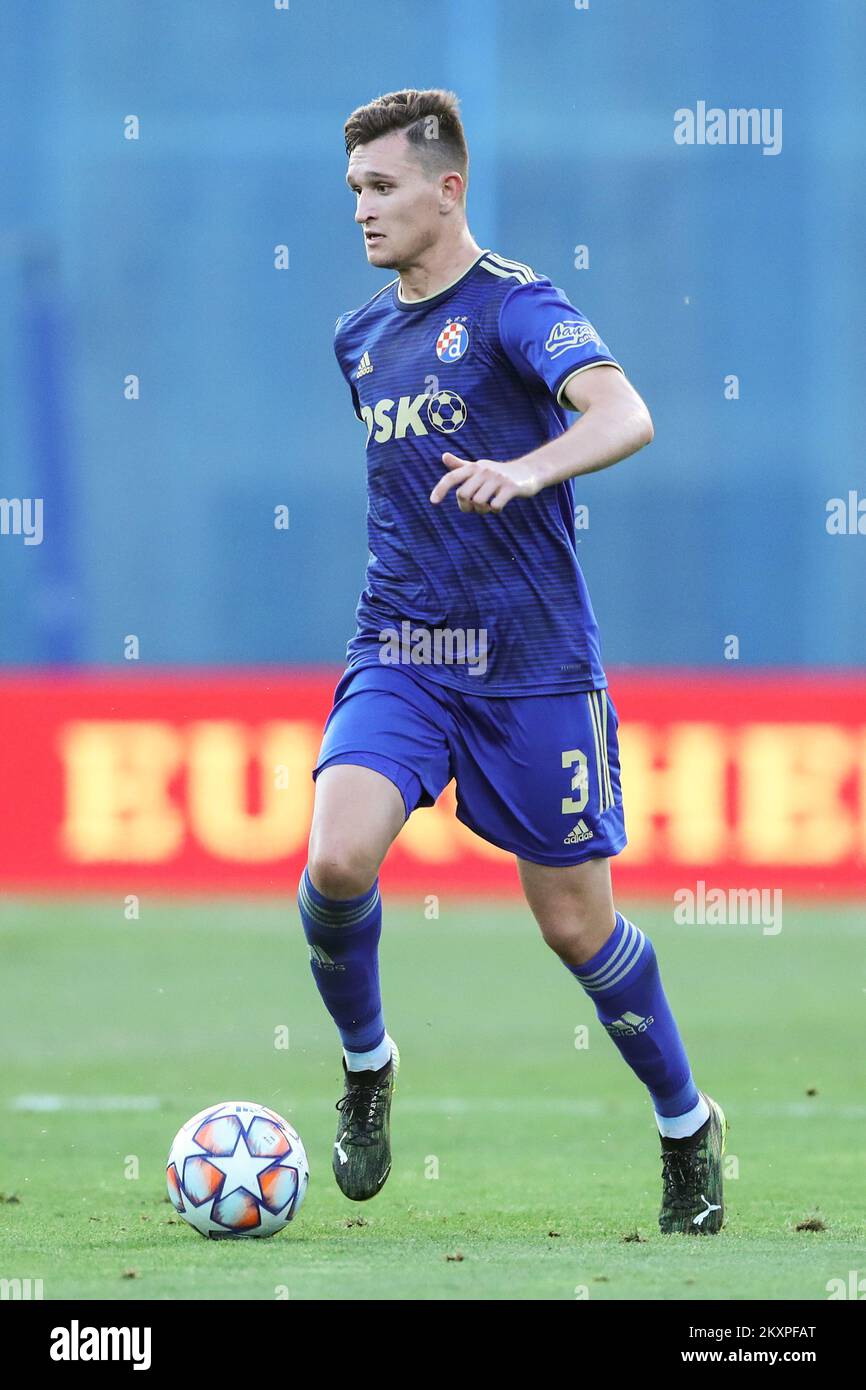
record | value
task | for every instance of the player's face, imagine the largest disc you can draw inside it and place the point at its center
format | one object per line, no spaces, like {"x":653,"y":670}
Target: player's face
{"x":397,"y":203}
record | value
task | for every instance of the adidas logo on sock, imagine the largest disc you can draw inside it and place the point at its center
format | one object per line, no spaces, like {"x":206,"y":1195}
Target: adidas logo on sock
{"x":580,"y":832}
{"x":364,"y":366}
{"x":628,"y":1025}
{"x":322,"y":959}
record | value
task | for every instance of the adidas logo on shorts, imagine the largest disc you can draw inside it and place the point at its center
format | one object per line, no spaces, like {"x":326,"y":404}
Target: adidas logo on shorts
{"x":580,"y":832}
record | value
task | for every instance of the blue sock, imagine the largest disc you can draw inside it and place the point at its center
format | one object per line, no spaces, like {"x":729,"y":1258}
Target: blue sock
{"x":623,"y":982}
{"x":344,"y":937}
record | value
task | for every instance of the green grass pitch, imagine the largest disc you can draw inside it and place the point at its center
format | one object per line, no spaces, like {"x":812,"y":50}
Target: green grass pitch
{"x":115,"y":1032}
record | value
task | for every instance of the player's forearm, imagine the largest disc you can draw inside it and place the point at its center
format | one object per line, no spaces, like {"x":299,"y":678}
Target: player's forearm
{"x":604,"y":435}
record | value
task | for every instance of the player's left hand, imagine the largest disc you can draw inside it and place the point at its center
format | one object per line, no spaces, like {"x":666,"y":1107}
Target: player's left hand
{"x":483,"y":485}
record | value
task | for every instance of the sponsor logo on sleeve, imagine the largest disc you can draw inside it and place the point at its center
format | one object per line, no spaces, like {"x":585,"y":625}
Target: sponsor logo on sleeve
{"x":570,"y":333}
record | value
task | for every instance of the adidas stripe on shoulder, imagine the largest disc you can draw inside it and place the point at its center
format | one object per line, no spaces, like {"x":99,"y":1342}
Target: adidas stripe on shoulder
{"x":507,"y":269}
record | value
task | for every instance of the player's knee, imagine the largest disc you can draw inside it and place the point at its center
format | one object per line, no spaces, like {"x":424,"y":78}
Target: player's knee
{"x":575,"y":938}
{"x":341,"y":869}
{"x":563,"y":940}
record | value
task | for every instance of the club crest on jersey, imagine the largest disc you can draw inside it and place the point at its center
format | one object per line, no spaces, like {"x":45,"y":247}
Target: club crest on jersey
{"x":452,"y":341}
{"x":570,"y":333}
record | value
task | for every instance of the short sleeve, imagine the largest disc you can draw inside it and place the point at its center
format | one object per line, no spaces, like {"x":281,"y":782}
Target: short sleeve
{"x":339,"y":356}
{"x":547,"y":339}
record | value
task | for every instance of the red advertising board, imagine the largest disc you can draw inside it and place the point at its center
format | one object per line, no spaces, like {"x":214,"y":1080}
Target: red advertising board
{"x":200,"y":781}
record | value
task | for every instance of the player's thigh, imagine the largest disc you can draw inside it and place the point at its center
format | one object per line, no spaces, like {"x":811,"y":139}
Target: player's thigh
{"x":357,"y":813}
{"x":573,"y":905}
{"x":384,"y":752}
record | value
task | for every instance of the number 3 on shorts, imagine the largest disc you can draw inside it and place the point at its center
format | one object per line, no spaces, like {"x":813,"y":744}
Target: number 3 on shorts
{"x":573,"y":757}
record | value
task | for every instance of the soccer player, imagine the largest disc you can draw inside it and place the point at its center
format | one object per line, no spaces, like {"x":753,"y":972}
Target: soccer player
{"x":476,"y":654}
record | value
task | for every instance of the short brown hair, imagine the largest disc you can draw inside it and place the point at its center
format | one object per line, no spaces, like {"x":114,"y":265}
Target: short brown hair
{"x":431,"y":120}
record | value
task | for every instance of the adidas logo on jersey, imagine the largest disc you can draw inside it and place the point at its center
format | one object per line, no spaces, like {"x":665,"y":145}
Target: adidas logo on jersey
{"x":323,"y":960}
{"x":580,"y":832}
{"x":364,"y":367}
{"x":628,"y":1025}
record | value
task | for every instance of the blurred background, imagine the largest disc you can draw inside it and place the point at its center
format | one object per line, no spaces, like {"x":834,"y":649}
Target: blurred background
{"x":176,"y":243}
{"x":155,"y":257}
{"x":165,"y":385}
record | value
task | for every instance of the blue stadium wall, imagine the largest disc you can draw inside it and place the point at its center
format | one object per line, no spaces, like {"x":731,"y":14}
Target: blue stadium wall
{"x":155,"y":257}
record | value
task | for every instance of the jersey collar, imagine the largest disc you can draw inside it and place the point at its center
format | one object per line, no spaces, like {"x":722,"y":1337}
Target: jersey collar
{"x":408,"y":305}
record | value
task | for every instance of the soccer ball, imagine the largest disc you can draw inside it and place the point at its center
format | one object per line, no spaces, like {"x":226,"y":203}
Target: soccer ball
{"x":446,"y":411}
{"x":237,"y":1169}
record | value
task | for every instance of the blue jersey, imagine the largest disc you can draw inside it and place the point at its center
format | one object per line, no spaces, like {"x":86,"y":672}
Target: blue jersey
{"x":478,"y":369}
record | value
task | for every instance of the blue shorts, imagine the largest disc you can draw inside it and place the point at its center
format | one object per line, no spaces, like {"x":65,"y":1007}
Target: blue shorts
{"x":537,"y":775}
